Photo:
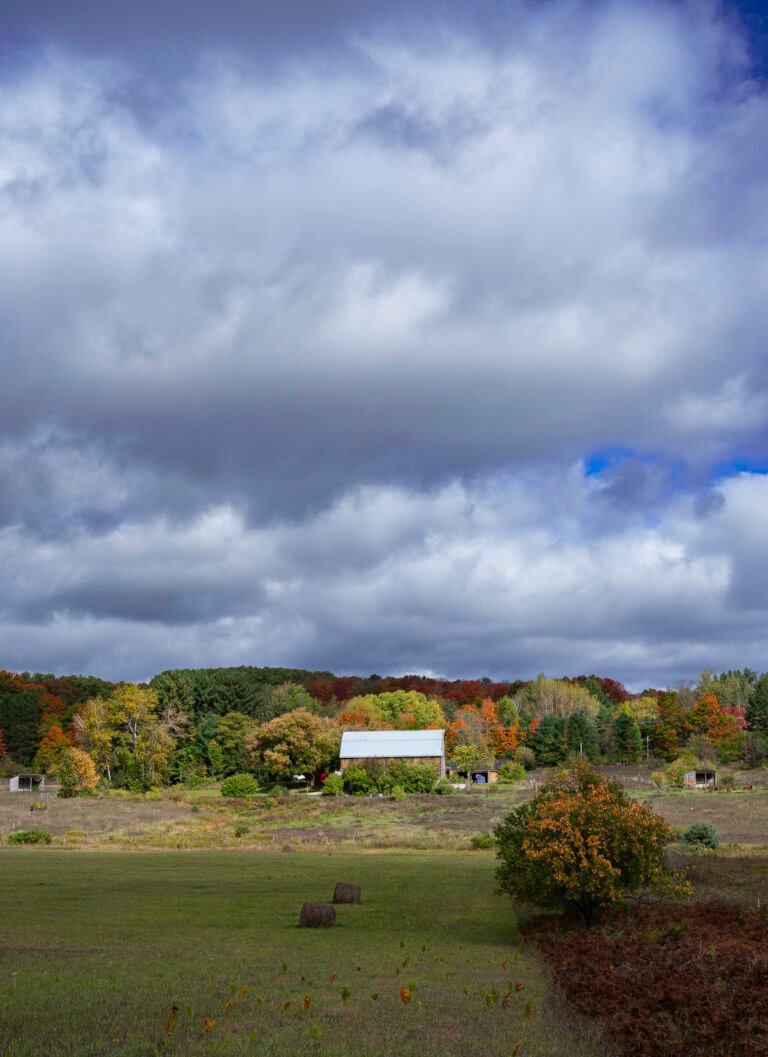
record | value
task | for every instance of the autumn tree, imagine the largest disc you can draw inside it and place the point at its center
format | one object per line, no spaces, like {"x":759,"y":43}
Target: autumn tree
{"x":54,"y":743}
{"x":733,"y":689}
{"x":708,"y":717}
{"x":472,"y":756}
{"x":75,"y":772}
{"x":126,"y":737}
{"x":298,"y":742}
{"x":645,"y":709}
{"x":582,"y":844}
{"x":666,"y":733}
{"x":556,"y":697}
{"x":483,"y":728}
{"x":403,"y":709}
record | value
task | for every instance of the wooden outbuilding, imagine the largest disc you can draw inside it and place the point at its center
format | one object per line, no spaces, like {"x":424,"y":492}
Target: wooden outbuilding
{"x":367,"y":747}
{"x":27,"y":783}
{"x":701,"y":778}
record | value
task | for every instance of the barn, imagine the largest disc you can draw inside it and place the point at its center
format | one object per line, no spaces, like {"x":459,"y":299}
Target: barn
{"x":364,"y":747}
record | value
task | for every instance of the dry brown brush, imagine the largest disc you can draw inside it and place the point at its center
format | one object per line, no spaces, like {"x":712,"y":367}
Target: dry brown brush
{"x":669,"y":980}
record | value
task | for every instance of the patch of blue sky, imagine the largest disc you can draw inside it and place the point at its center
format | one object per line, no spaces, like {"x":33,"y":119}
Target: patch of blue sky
{"x":730,"y":467}
{"x":612,"y":458}
{"x":607,"y":459}
{"x":753,"y":15}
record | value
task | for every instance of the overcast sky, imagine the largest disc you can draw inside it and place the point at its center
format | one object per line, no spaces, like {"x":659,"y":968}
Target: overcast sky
{"x":384,"y":337}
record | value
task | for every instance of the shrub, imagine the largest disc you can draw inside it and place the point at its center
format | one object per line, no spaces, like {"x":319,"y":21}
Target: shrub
{"x":511,"y":772}
{"x":755,"y":749}
{"x":659,"y":779}
{"x":398,"y":793}
{"x":730,"y":748}
{"x":39,"y":805}
{"x":413,"y":777}
{"x":8,"y":768}
{"x":357,"y":781}
{"x":444,"y":788}
{"x":727,"y":780}
{"x":700,"y":835}
{"x":29,"y":836}
{"x":333,"y":785}
{"x":526,"y":756}
{"x":241,"y":828}
{"x":269,"y":802}
{"x":677,"y":770}
{"x":582,"y":843}
{"x":239,"y":785}
{"x":482,"y":840}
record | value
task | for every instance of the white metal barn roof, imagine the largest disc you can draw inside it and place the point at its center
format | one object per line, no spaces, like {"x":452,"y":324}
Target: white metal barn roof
{"x":385,"y":744}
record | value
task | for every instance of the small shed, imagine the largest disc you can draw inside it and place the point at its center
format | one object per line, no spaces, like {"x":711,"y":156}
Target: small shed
{"x":27,"y":783}
{"x":483,"y":773}
{"x":364,"y":747}
{"x":700,"y":779}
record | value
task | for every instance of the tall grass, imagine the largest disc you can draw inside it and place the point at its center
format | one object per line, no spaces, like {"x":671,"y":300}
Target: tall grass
{"x":138,"y":954}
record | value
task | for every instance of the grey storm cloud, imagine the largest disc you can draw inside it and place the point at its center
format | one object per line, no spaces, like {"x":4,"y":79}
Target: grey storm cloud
{"x":311,"y":315}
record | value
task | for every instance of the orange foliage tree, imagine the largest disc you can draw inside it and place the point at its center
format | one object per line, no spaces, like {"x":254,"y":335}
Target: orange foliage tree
{"x":76,"y":772}
{"x":582,"y":844}
{"x":354,"y":719}
{"x":54,"y":742}
{"x":481,"y":725}
{"x":710,"y":718}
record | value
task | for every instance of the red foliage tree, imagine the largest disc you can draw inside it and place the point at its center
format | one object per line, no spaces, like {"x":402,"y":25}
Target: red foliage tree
{"x":709,"y":717}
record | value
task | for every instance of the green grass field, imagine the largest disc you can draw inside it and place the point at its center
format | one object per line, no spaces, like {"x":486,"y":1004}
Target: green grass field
{"x":98,"y":948}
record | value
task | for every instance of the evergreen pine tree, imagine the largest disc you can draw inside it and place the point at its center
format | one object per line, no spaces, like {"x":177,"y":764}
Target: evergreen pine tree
{"x":757,"y":709}
{"x":549,"y":741}
{"x":581,"y":736}
{"x":604,"y":723}
{"x":629,"y":744}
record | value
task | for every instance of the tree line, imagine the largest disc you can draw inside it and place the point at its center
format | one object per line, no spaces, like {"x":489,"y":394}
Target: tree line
{"x":189,"y":725}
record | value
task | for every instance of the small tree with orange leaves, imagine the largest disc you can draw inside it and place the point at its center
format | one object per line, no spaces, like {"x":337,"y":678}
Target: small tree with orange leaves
{"x":582,"y":844}
{"x":75,"y":772}
{"x":50,"y":748}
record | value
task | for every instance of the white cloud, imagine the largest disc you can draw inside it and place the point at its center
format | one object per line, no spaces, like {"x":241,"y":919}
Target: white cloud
{"x":458,"y":580}
{"x":301,"y":366}
{"x":732,"y":409}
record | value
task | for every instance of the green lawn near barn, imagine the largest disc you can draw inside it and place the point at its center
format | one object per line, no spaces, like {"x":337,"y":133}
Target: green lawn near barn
{"x":149,"y":953}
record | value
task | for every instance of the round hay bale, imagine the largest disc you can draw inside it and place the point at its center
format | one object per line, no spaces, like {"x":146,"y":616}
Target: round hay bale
{"x":346,"y":893}
{"x":317,"y":916}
